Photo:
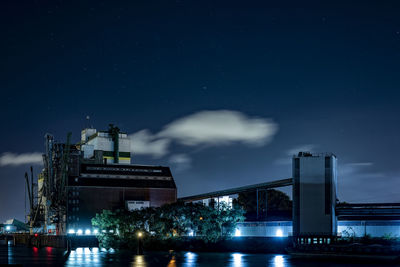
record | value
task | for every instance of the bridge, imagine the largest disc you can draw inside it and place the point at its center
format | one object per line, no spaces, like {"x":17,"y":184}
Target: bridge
{"x":243,"y":189}
{"x":237,"y":190}
{"x":344,"y":211}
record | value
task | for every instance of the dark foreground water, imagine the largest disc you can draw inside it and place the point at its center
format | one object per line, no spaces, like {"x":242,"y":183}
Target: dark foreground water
{"x":95,"y":257}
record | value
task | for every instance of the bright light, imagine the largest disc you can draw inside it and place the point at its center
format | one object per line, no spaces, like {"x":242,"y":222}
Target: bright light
{"x":237,"y":259}
{"x":140,"y":234}
{"x":103,"y":231}
{"x":71,"y":231}
{"x":139,"y":260}
{"x":87,"y":232}
{"x":79,"y":232}
{"x":111,"y":231}
{"x":8,"y":228}
{"x":191,"y":233}
{"x":237,"y":232}
{"x":279,"y":233}
{"x":190,"y":256}
{"x":279,"y":261}
{"x":95,"y":231}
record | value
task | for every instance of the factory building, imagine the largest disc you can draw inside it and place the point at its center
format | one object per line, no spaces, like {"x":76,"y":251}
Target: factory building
{"x":96,"y":174}
{"x":314,"y":195}
{"x":317,"y":217}
{"x":108,"y":187}
{"x":109,"y":147}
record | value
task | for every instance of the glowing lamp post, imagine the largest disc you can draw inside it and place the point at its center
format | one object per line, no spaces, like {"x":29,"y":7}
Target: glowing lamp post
{"x":140,"y":243}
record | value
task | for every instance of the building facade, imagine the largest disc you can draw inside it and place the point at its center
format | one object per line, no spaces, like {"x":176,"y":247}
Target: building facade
{"x":101,"y":187}
{"x":314,"y":195}
{"x":96,"y":174}
{"x":345,"y":228}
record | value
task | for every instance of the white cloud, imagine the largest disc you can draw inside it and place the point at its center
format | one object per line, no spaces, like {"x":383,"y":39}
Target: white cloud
{"x":13,"y":159}
{"x":181,"y":161}
{"x":219,"y":127}
{"x":179,"y":158}
{"x":352,"y":168}
{"x":145,"y":143}
{"x":360,"y":164}
{"x":212,"y":128}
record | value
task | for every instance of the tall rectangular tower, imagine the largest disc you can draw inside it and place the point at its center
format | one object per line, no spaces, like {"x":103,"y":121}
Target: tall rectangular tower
{"x":314,"y":196}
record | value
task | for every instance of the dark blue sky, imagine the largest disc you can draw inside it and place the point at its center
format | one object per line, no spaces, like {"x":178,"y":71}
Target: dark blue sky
{"x":326,"y":76}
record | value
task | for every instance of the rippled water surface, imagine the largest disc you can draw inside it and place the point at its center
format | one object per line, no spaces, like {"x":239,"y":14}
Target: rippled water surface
{"x":95,"y":257}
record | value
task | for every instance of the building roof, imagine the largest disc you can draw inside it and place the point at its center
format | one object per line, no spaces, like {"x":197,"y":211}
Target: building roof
{"x":17,"y":223}
{"x":113,"y":175}
{"x":237,"y":190}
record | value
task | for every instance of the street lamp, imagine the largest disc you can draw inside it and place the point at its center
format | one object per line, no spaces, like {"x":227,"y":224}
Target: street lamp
{"x":140,"y":243}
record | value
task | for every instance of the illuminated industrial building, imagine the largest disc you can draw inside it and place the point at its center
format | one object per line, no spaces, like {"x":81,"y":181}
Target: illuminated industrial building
{"x":80,"y":180}
{"x":317,"y":216}
{"x":314,"y":195}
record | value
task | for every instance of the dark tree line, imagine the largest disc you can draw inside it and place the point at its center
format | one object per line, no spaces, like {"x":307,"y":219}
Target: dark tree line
{"x":120,"y":228}
{"x":279,"y":205}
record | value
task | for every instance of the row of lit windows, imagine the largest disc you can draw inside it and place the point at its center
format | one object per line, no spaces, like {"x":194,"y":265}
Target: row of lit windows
{"x":118,"y":176}
{"x":315,"y":240}
{"x":121,"y":169}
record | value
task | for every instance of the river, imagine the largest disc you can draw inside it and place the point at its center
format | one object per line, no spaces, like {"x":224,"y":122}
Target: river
{"x":96,"y":257}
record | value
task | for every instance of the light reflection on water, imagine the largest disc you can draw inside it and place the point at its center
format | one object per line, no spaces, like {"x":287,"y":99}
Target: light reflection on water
{"x":84,"y":256}
{"x":172,"y":262}
{"x":190,"y":259}
{"x":139,"y":261}
{"x":279,"y":261}
{"x":100,"y":257}
{"x":237,"y":260}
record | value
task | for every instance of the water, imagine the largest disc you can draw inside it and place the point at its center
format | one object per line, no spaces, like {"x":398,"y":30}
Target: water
{"x":95,"y":257}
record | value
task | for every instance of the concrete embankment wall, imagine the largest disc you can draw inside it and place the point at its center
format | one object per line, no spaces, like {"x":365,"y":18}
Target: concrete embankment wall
{"x":41,"y":240}
{"x":56,"y":241}
{"x":372,"y":228}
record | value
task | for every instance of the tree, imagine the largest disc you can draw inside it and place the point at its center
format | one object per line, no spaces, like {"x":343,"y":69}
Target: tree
{"x":278,"y":204}
{"x":118,"y":228}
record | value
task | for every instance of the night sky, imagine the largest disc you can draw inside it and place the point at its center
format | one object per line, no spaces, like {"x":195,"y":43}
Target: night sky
{"x":223,"y":93}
